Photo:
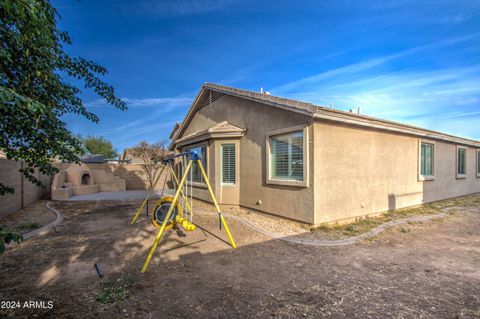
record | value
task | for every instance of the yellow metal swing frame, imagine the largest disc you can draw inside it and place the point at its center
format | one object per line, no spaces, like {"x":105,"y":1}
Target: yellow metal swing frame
{"x":166,"y":224}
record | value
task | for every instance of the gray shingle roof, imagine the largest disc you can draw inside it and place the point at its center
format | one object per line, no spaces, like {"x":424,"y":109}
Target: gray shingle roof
{"x":319,"y":112}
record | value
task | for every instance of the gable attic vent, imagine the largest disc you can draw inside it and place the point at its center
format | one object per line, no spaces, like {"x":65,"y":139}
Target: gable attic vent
{"x":208,"y":98}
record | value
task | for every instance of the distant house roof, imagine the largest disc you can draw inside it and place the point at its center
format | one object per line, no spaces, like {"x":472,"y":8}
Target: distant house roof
{"x":212,"y":92}
{"x":175,"y":128}
{"x":128,"y":156}
{"x":92,"y":158}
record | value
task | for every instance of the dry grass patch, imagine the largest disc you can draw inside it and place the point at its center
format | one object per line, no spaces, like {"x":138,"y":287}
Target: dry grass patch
{"x":115,"y":290}
{"x":366,"y":224}
{"x":27,"y":219}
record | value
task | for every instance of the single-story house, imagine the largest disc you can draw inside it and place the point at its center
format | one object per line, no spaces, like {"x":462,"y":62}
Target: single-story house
{"x":317,"y":164}
{"x":129,"y":157}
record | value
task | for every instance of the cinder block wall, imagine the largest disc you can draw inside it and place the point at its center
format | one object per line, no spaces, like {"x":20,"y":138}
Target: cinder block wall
{"x":132,"y":173}
{"x":135,"y":176}
{"x":25,"y":192}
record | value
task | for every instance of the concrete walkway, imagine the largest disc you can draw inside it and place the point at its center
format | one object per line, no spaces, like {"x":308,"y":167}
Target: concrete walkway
{"x":339,"y":242}
{"x":120,"y":196}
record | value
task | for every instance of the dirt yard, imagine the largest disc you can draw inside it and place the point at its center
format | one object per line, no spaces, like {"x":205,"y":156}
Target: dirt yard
{"x":423,"y":270}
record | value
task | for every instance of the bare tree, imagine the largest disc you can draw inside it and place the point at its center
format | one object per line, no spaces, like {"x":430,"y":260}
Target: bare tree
{"x":152,"y":156}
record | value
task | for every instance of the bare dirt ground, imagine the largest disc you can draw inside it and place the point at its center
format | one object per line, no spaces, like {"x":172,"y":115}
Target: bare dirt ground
{"x":32,"y":217}
{"x":429,"y":270}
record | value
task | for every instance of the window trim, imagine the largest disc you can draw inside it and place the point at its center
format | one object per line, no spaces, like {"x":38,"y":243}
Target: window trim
{"x":477,"y":153}
{"x":190,"y":146}
{"x":278,"y":181}
{"x":221,"y":164}
{"x":421,"y":177}
{"x":460,"y":176}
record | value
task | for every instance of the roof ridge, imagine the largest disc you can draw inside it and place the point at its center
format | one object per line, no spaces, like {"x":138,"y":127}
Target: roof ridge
{"x":318,"y":110}
{"x":322,"y":112}
{"x":265,"y":97}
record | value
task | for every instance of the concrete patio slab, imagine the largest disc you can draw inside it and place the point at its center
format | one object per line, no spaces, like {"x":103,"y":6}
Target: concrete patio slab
{"x":125,"y":195}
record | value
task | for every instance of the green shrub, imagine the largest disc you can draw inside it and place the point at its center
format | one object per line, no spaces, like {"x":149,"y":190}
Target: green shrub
{"x":7,"y":237}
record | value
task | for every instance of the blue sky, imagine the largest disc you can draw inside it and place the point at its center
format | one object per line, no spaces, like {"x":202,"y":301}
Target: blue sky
{"x":416,"y":62}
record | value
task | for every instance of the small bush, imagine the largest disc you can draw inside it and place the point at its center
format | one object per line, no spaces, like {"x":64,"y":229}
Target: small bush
{"x":7,"y":237}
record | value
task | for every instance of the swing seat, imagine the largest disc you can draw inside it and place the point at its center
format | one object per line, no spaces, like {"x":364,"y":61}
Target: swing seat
{"x":160,"y":211}
{"x":187,"y":225}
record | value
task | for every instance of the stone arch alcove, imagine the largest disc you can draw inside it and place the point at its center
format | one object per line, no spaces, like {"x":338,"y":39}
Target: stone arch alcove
{"x":85,"y":179}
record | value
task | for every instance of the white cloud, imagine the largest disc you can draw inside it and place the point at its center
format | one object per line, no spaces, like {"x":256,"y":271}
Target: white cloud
{"x":162,"y":101}
{"x":365,"y":65}
{"x":156,"y":127}
{"x":175,"y":101}
{"x":441,"y":99}
{"x":153,"y":111}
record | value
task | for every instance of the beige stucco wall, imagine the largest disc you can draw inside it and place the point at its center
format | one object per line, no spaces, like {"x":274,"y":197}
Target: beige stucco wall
{"x":360,"y":171}
{"x":26,"y":193}
{"x":259,"y":119}
{"x":445,"y":183}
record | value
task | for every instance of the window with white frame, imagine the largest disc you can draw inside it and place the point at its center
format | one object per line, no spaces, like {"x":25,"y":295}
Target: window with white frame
{"x":461,"y":161}
{"x":228,"y":164}
{"x":196,"y":174}
{"x":426,"y":159}
{"x":287,"y":156}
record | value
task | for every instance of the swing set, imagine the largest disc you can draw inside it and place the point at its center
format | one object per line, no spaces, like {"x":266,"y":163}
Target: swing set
{"x":170,"y":212}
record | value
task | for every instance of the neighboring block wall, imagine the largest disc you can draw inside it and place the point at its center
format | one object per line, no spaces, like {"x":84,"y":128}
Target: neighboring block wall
{"x":360,"y":171}
{"x":133,"y":174}
{"x":25,"y":194}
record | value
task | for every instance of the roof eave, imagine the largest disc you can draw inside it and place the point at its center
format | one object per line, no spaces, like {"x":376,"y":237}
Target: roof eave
{"x":207,"y":136}
{"x":393,"y":127}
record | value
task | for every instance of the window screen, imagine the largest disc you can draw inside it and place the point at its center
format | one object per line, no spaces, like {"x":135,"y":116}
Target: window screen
{"x":478,"y":162}
{"x":426,"y":161}
{"x":196,"y":173}
{"x":228,"y":164}
{"x":287,"y":156}
{"x":461,"y":161}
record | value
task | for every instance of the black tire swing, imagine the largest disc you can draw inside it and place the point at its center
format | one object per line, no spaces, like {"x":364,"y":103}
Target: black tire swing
{"x":162,"y":206}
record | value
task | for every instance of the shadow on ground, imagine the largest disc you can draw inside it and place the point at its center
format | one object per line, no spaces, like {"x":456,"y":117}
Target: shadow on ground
{"x":427,"y":270}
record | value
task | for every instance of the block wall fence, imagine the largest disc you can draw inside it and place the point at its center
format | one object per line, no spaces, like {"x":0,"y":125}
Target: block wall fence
{"x":26,"y":193}
{"x":132,"y":173}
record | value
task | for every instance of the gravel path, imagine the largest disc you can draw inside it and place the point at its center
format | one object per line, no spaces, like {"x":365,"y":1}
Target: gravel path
{"x":338,"y":242}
